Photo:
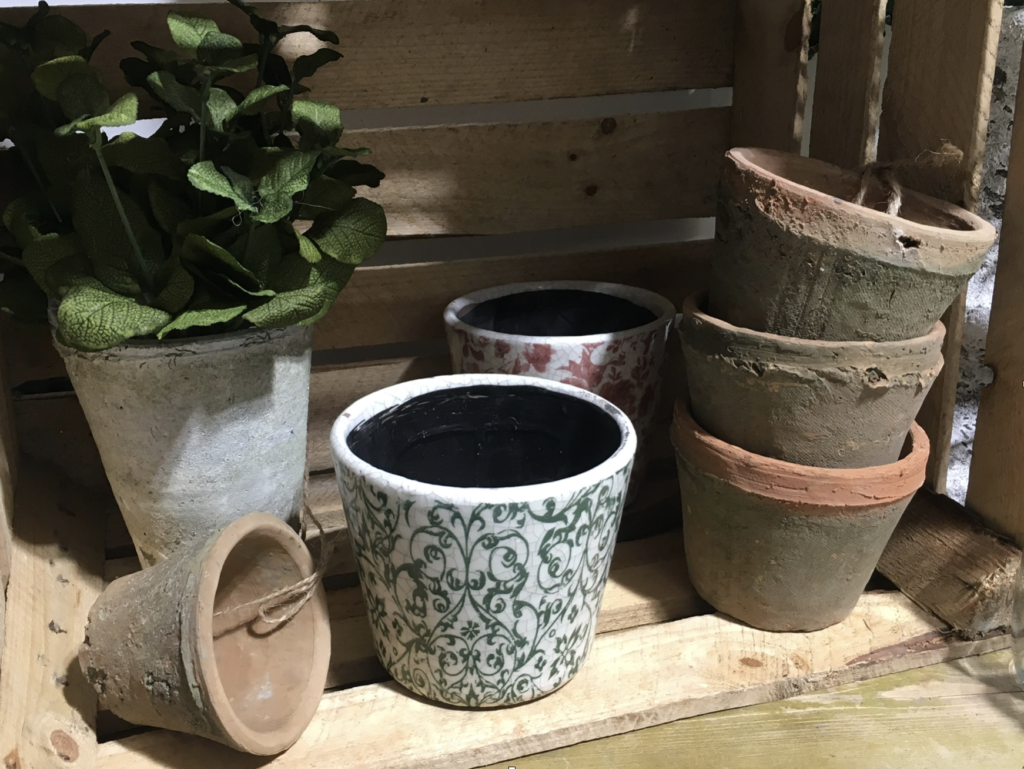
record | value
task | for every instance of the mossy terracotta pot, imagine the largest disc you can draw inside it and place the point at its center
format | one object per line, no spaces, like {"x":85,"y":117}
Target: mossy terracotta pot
{"x":603,"y":337}
{"x":780,"y":546}
{"x":169,"y":646}
{"x":196,"y":433}
{"x":483,"y":511}
{"x":827,"y":404}
{"x":794,"y":257}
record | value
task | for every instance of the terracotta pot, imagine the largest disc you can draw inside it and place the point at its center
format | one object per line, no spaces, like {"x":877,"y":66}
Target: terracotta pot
{"x":826,"y":404}
{"x":195,"y":433}
{"x":781,"y":546}
{"x":793,"y":257}
{"x":159,"y":651}
{"x":603,"y":337}
{"x":483,"y":511}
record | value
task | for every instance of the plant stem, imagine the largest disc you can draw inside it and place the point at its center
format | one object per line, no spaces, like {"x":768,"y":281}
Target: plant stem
{"x":147,"y":286}
{"x":204,"y":97}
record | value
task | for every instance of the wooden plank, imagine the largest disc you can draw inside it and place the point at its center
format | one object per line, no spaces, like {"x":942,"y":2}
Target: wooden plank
{"x":633,"y":679}
{"x":770,"y":81}
{"x":408,"y":54}
{"x":404,"y":303}
{"x":486,"y":179}
{"x":848,"y":85}
{"x":997,"y":478}
{"x":47,"y":708}
{"x":938,"y":89}
{"x":29,"y":353}
{"x":968,"y":576}
{"x":9,"y":461}
{"x":966,"y":713}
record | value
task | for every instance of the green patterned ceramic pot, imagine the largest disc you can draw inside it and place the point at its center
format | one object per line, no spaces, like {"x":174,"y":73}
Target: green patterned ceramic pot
{"x":483,"y":510}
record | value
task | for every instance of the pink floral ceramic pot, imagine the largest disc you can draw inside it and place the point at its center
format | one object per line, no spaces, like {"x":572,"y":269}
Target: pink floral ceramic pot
{"x":603,"y":337}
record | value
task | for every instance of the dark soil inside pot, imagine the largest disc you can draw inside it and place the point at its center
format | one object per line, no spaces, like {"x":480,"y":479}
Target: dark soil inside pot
{"x":488,"y":437}
{"x":558,"y":312}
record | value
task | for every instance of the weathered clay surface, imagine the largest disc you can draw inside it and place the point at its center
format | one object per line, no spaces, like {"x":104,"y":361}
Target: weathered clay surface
{"x":780,"y":546}
{"x":152,"y":655}
{"x":825,"y":404}
{"x":794,"y":257}
{"x":196,"y":434}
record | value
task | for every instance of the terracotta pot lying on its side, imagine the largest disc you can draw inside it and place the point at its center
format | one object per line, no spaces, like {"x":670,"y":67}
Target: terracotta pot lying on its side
{"x":780,"y":546}
{"x":169,"y":646}
{"x":795,"y":257}
{"x":826,"y":404}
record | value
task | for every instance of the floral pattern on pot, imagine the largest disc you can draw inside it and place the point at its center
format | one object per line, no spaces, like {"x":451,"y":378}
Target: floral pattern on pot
{"x":623,"y":367}
{"x":481,"y":597}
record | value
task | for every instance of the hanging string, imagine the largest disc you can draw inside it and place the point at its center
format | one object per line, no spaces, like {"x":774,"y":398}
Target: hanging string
{"x":884,"y":174}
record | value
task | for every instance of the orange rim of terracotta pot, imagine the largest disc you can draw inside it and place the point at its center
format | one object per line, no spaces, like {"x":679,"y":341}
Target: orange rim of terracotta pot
{"x":834,"y":490}
{"x":969,"y":228}
{"x":217,"y":701}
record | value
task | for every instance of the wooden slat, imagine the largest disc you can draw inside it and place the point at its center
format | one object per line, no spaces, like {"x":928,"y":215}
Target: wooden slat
{"x":938,"y":88}
{"x":968,"y":575}
{"x":996,"y":487}
{"x":9,"y":461}
{"x":404,"y":303}
{"x":633,"y":679}
{"x":770,"y":81}
{"x":848,"y":84}
{"x":29,"y":353}
{"x":496,"y":178}
{"x":400,"y":53}
{"x":47,"y":708}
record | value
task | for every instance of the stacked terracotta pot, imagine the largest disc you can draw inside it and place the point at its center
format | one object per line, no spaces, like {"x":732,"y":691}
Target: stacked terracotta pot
{"x":807,"y":362}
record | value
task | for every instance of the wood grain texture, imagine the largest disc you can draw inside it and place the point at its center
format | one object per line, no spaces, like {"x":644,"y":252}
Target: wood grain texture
{"x":485,"y":179}
{"x":996,"y":486}
{"x":770,"y":80}
{"x":938,"y":89}
{"x":965,"y":712}
{"x":47,"y":708}
{"x":9,"y":463}
{"x":633,"y":679}
{"x":848,"y":85}
{"x":968,"y":574}
{"x":404,"y":303}
{"x":403,"y":54}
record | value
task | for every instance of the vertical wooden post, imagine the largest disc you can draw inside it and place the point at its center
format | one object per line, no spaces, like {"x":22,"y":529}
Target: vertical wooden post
{"x":8,"y":484}
{"x":996,"y":487}
{"x":848,"y":90}
{"x":939,"y":84}
{"x":770,"y":78}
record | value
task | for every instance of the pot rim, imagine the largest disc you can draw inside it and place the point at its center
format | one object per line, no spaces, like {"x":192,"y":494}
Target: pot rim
{"x":795,"y":345}
{"x":372,"y":404}
{"x":656,"y":303}
{"x":747,"y":158}
{"x":219,"y":708}
{"x":837,"y":490}
{"x":193,"y":345}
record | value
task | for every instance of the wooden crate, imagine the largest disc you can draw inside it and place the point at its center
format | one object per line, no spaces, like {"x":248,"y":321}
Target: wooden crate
{"x":661,"y":655}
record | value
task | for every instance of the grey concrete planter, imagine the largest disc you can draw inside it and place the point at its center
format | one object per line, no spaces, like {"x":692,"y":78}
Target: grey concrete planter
{"x":825,"y":404}
{"x":197,"y":433}
{"x":780,"y":546}
{"x":794,"y":257}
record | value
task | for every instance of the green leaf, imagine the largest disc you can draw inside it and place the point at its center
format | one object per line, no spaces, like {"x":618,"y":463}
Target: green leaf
{"x":202,"y":318}
{"x":27,"y":219}
{"x":290,"y":175}
{"x":318,"y":123}
{"x":324,"y":196}
{"x":352,"y":235}
{"x":48,"y":76}
{"x":62,"y":157}
{"x":218,"y":48}
{"x":143,"y":156}
{"x":82,"y":96}
{"x":92,"y":317}
{"x":220,"y":108}
{"x":234,"y":66}
{"x":205,"y":176}
{"x":87,"y":52}
{"x":353,"y":172}
{"x":258,"y":97}
{"x":259,"y":250}
{"x":200,"y":251}
{"x":177,"y":287}
{"x":125,"y":111}
{"x":71,"y":271}
{"x":306,"y":66}
{"x":206,"y":224}
{"x":40,"y":256}
{"x":303,"y":306}
{"x":20,"y":296}
{"x":188,"y":31}
{"x":168,"y":209}
{"x":307,"y":248}
{"x":180,"y":97}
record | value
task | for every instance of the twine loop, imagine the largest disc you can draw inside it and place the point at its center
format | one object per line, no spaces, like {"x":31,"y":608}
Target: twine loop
{"x":885,"y":174}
